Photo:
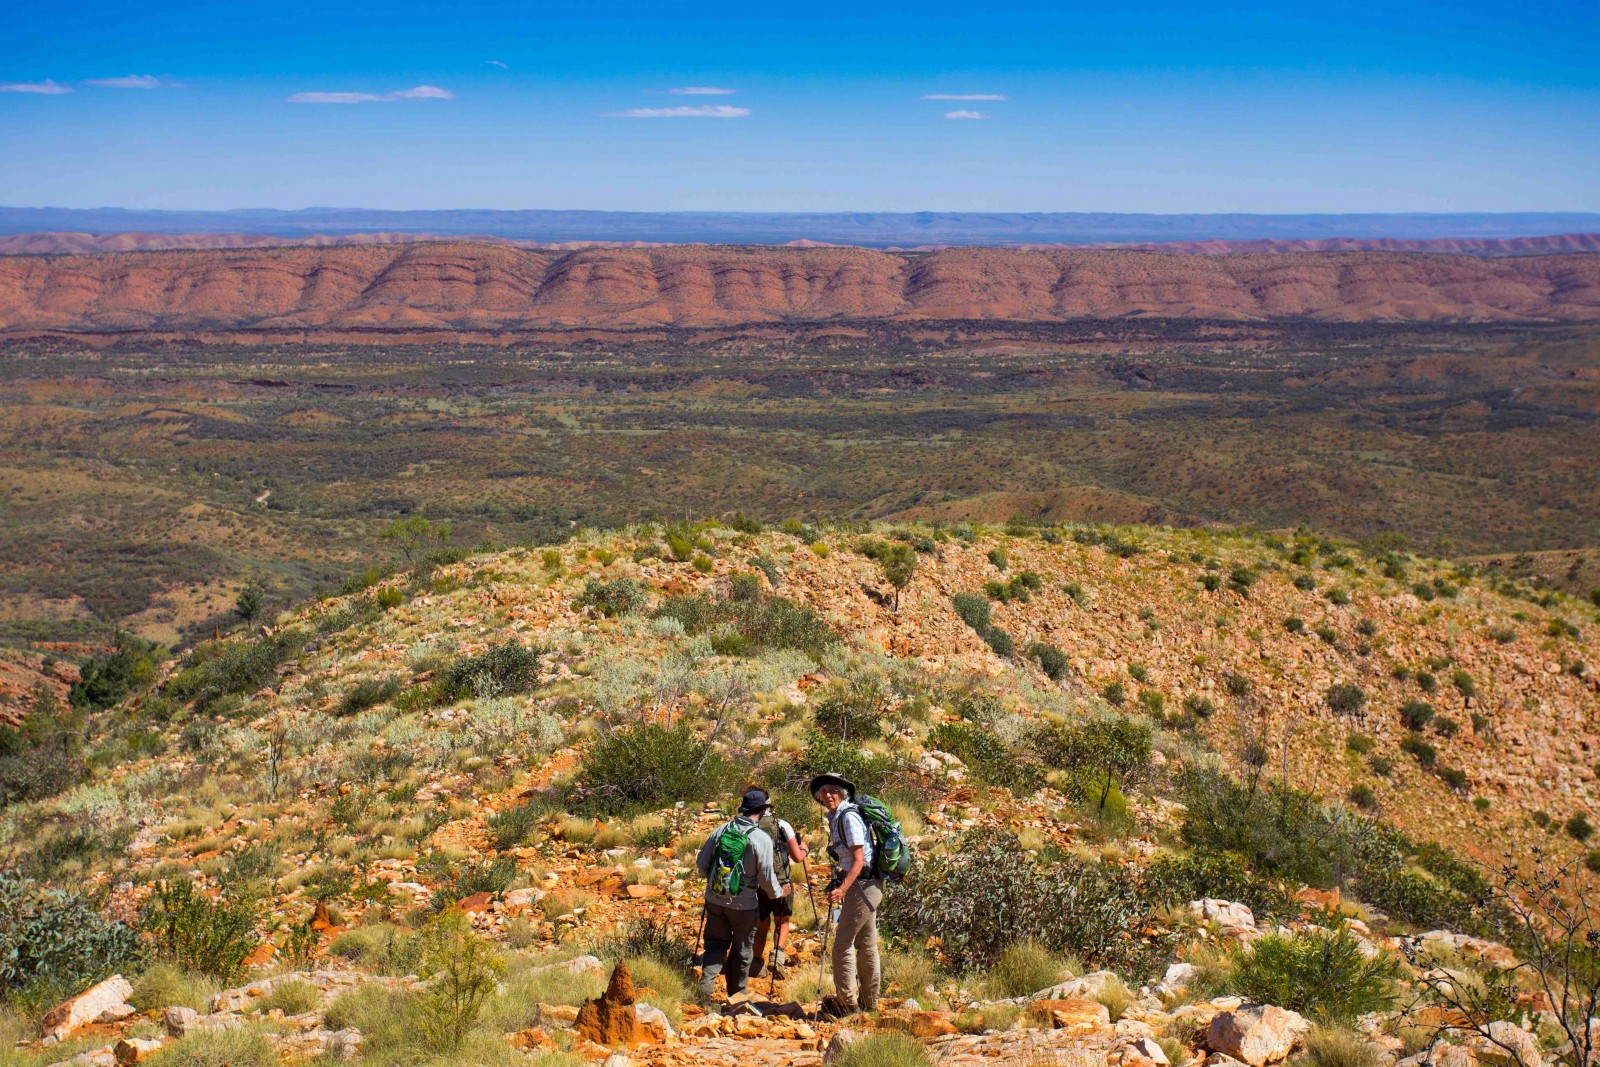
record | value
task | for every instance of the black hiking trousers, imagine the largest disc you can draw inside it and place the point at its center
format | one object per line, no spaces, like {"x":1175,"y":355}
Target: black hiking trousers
{"x":730,"y":944}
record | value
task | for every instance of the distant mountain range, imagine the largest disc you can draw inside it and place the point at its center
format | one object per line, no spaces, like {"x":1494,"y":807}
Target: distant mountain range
{"x":869,"y":229}
{"x":55,"y":244}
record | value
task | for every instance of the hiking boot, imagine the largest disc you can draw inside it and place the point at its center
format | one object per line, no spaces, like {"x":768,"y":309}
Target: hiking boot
{"x":835,"y":1007}
{"x":758,"y":967}
{"x":708,"y":988}
{"x":779,"y":961}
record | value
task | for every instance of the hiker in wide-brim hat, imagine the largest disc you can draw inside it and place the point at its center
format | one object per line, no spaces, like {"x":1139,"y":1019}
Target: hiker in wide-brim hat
{"x":736,"y":861}
{"x":857,"y":892}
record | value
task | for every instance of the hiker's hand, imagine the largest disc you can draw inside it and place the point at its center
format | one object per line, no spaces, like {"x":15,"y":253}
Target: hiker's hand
{"x":788,"y":890}
{"x":835,"y":896}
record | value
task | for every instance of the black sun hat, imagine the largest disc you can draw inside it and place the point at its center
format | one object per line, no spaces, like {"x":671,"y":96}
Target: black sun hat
{"x":754,"y":802}
{"x":831,"y":779}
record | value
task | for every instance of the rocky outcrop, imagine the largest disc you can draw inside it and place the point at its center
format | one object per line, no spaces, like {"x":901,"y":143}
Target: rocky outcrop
{"x":1257,"y":1034}
{"x":467,"y":287}
{"x":107,"y":999}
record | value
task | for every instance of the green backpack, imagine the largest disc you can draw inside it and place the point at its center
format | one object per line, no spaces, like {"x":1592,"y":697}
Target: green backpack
{"x":727,"y":866}
{"x":891,"y":855}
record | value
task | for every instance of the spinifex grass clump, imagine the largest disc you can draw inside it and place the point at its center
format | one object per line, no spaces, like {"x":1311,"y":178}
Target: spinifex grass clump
{"x":749,"y":621}
{"x":647,"y":766}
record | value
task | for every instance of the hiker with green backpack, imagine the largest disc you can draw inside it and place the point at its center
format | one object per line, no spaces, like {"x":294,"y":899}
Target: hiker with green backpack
{"x":868,"y":852}
{"x":736,"y":861}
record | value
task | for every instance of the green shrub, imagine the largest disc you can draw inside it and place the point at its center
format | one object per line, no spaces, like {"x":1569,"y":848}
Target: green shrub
{"x":221,"y":669}
{"x":1416,"y":714}
{"x":999,"y":641}
{"x":103,"y":680}
{"x":1464,"y":683}
{"x":1116,"y":749}
{"x":1445,"y":726}
{"x":369,"y":692}
{"x":885,"y":1049}
{"x":749,"y":626}
{"x":44,"y":756}
{"x":621,"y":596}
{"x":197,"y":933}
{"x":1173,"y":881}
{"x":163,"y":986}
{"x":1115,"y":694}
{"x":55,"y":942}
{"x":1454,"y":777}
{"x":1236,"y":684}
{"x":240,"y":1046}
{"x":1381,"y":766}
{"x":973,"y":609}
{"x":870,"y":773}
{"x":1426,"y":681}
{"x":649,"y":766}
{"x":381,"y":948}
{"x":1294,"y":624}
{"x":1211,"y":582}
{"x":998,"y":557}
{"x":1200,"y":707}
{"x":1305,"y":582}
{"x":391,"y":597}
{"x":988,"y":895}
{"x":1346,"y":699}
{"x":1360,"y":744}
{"x":1051,"y":660}
{"x":850,"y":710}
{"x":987,"y":756}
{"x":1579,"y":828}
{"x":1591,"y":860}
{"x":1319,"y":973}
{"x":1425,"y":753}
{"x":1338,"y":597}
{"x":507,"y":669}
{"x":1362,"y":796}
{"x":1240,"y":579}
{"x":1021,"y":587}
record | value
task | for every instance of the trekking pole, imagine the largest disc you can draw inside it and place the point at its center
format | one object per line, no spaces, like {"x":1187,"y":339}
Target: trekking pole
{"x":822,"y":960}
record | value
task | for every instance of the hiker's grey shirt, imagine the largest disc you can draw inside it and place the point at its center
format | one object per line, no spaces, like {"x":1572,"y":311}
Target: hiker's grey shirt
{"x":845,"y":831}
{"x":758,"y":871}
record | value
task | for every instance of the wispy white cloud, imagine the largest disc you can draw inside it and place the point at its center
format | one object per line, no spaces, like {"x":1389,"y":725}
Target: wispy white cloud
{"x":44,"y":88}
{"x":964,"y":96}
{"x":701,"y":90}
{"x":421,"y":92}
{"x":704,"y":111}
{"x":965,"y":115}
{"x":135,"y":81}
{"x":494,"y":63}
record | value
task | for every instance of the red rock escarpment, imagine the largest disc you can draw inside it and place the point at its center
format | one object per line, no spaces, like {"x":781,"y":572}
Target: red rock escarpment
{"x":469,"y":286}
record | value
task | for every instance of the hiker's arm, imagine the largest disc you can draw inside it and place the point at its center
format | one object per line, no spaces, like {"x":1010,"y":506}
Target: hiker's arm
{"x":858,"y":860}
{"x":797,"y":849}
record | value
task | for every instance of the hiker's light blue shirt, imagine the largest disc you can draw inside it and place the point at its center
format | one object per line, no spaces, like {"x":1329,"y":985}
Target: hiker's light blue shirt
{"x":847,"y":827}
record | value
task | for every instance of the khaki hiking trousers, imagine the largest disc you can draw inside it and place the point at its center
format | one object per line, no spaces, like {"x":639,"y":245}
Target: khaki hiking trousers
{"x":856,"y":973}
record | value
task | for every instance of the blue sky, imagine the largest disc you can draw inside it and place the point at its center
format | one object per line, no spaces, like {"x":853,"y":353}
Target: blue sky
{"x":1260,"y":107}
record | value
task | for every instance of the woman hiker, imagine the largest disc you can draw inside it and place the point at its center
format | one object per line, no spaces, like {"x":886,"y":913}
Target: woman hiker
{"x":856,"y":892}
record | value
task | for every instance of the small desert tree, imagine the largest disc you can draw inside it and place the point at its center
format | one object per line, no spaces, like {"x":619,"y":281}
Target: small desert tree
{"x":252,"y":598}
{"x":462,"y":972}
{"x":415,"y":536}
{"x":898,"y":562}
{"x":1553,"y":929}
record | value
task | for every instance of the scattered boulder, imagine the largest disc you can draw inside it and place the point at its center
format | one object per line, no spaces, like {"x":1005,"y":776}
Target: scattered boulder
{"x":1232,"y":918}
{"x":70,"y":1016}
{"x":344,"y":1045}
{"x":653,"y":1022}
{"x":1257,"y":1034}
{"x":180,"y":1020}
{"x":136,"y":1049}
{"x":1085,"y":1016}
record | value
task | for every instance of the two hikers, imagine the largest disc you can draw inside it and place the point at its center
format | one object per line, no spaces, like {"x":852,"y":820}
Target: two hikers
{"x":748,"y":886}
{"x":856,"y":891}
{"x":737,"y":862}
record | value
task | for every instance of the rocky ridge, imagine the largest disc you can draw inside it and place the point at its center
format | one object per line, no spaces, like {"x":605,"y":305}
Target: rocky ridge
{"x":464,"y":287}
